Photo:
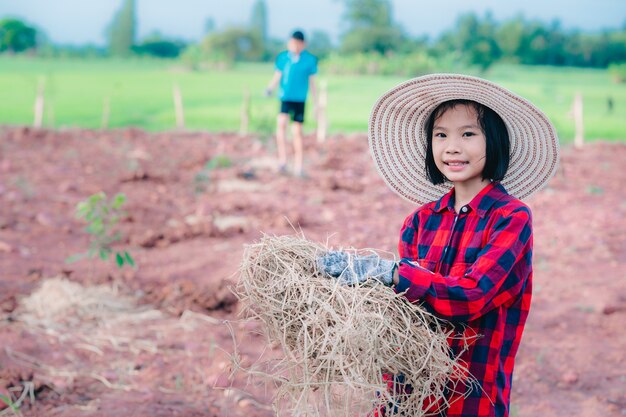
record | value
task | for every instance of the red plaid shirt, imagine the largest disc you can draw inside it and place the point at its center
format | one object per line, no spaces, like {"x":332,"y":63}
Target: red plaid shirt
{"x":475,"y":271}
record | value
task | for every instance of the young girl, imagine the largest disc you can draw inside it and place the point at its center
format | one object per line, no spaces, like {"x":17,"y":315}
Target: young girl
{"x":466,"y":255}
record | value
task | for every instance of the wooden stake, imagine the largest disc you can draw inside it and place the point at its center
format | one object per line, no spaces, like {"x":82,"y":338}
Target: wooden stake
{"x":39,"y":103}
{"x":245,"y":113}
{"x":579,"y":139}
{"x":178,"y":107}
{"x":322,"y":121}
{"x":106,"y":110}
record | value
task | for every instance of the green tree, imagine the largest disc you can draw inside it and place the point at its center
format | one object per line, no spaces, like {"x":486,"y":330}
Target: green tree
{"x":156,"y":45}
{"x":232,"y":44}
{"x":475,"y":40}
{"x":555,"y":54}
{"x":209,"y":25}
{"x":510,"y":36}
{"x":258,"y":21}
{"x":481,"y":41}
{"x":534,"y":50}
{"x":320,"y":44}
{"x":122,"y":30}
{"x":16,"y":36}
{"x":612,"y":48}
{"x":370,"y":27}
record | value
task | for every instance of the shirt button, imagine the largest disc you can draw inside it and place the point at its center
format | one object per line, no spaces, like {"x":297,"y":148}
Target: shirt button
{"x":464,"y":209}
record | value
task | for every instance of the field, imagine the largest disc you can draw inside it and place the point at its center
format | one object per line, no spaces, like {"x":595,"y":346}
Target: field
{"x":140,"y":95}
{"x":150,"y":341}
{"x":88,"y":339}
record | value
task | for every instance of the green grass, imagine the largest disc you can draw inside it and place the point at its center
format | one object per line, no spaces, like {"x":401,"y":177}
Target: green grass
{"x":553,"y":89}
{"x":140,"y":94}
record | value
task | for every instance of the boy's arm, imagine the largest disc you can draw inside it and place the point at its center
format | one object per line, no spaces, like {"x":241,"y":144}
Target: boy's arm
{"x":273,"y":82}
{"x":487,"y":284}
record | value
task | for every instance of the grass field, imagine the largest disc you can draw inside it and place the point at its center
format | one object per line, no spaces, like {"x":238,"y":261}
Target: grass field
{"x":140,"y":94}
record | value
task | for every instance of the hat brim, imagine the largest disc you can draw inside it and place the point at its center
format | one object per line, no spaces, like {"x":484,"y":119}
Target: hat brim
{"x":398,"y":141}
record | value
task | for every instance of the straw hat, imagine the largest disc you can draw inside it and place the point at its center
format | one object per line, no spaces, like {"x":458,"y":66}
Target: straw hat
{"x":397,"y":136}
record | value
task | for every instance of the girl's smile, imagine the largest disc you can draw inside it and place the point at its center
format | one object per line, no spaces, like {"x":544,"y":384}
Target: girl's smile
{"x":455,"y":165}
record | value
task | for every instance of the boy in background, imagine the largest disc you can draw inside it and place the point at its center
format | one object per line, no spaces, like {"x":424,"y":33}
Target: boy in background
{"x":294,"y":73}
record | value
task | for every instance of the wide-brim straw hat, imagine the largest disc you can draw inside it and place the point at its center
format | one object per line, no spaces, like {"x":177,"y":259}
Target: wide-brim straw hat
{"x":397,"y":136}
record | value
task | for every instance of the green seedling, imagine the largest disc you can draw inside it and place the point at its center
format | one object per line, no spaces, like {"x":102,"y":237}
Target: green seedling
{"x":202,"y":179}
{"x":264,"y":126}
{"x":101,"y":216}
{"x":13,"y":407}
{"x":25,"y":186}
{"x":594,"y":189}
{"x":219,"y":161}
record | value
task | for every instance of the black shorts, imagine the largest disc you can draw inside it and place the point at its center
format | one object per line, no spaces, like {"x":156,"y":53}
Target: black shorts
{"x":294,"y":108}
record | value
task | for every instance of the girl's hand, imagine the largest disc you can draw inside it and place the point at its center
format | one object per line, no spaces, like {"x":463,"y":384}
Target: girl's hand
{"x":350,"y":269}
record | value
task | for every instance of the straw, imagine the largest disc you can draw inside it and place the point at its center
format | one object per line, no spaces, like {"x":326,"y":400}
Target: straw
{"x":338,"y":341}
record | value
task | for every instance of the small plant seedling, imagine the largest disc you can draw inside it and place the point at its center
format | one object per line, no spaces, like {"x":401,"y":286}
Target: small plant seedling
{"x":218,"y":161}
{"x":25,"y":186}
{"x":264,"y":126}
{"x":202,"y":179}
{"x":12,"y":406}
{"x":594,"y":189}
{"x":101,"y":216}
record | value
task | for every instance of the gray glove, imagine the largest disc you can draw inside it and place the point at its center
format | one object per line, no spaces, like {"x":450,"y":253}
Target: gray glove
{"x":353,"y":269}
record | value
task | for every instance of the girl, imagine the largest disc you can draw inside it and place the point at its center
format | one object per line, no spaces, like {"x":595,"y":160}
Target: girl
{"x":466,"y":255}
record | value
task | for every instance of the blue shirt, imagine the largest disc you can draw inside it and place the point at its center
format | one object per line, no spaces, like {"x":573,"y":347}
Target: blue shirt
{"x":294,"y":83}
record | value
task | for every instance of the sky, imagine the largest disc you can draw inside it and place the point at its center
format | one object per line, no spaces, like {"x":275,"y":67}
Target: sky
{"x":84,"y":21}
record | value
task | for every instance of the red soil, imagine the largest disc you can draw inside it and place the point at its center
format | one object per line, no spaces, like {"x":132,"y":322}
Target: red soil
{"x":187,"y":237}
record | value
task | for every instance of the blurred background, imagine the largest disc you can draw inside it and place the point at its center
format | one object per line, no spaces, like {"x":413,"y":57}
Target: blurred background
{"x":117,"y":63}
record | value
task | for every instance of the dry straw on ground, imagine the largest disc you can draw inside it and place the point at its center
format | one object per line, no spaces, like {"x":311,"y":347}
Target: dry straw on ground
{"x":338,"y":341}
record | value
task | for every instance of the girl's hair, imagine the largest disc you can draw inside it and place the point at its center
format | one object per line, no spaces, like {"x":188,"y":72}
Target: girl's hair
{"x":496,"y":136}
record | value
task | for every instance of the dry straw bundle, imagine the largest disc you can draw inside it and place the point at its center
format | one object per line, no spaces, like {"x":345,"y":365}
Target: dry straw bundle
{"x":338,"y":341}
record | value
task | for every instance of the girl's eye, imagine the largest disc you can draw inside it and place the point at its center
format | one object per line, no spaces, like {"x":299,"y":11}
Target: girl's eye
{"x":467,"y":134}
{"x":439,"y":135}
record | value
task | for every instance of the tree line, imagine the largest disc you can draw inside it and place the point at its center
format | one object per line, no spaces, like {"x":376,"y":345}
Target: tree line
{"x":371,"y":36}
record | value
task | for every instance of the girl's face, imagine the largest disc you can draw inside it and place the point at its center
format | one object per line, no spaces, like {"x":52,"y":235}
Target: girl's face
{"x":459,"y":147}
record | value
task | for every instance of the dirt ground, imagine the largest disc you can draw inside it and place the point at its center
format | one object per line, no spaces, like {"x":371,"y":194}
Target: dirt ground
{"x":87,"y":339}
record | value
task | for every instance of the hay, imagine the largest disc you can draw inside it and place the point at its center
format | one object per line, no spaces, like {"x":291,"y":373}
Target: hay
{"x":59,"y":300}
{"x":59,"y":303}
{"x":338,"y":341}
{"x":92,"y":317}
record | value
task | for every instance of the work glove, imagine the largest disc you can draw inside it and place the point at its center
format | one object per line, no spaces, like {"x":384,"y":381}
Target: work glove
{"x":351,"y":269}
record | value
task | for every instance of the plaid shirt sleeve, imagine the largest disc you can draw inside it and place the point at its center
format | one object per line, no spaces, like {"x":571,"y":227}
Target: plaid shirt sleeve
{"x":487,"y":284}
